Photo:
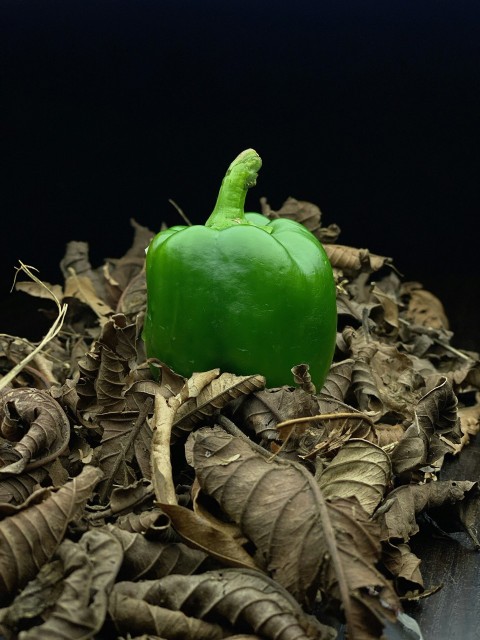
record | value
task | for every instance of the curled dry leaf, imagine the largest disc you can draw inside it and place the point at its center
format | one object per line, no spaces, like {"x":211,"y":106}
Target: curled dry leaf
{"x":280,"y":508}
{"x":43,"y":527}
{"x":338,"y":381}
{"x":89,"y":571}
{"x":130,"y":615}
{"x":149,"y":559}
{"x":424,"y":308}
{"x":241,"y":599}
{"x":436,"y":431}
{"x":307,"y":214}
{"x":405,"y":566}
{"x":202,"y":404}
{"x":37,"y":424}
{"x":120,"y":434}
{"x":397,"y":515}
{"x":360,"y":469}
{"x":353,"y":261}
{"x":202,"y":534}
{"x":15,"y":489}
{"x":104,"y":369}
{"x":261,"y":411}
{"x":384,"y":380}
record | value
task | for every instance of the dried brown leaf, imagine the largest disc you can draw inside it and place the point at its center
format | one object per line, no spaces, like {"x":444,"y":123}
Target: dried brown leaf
{"x":338,"y":381}
{"x":37,"y":424}
{"x":205,"y":400}
{"x":89,"y":570}
{"x":397,"y":515}
{"x":360,"y":469}
{"x":424,"y":308}
{"x":352,"y":261}
{"x":105,"y":368}
{"x":82,"y":288}
{"x":307,"y":214}
{"x":405,"y":566}
{"x":241,"y":598}
{"x":15,"y":489}
{"x":42,"y":528}
{"x":201,"y":534}
{"x":36,"y":290}
{"x":275,"y":503}
{"x":261,"y":411}
{"x":383,"y":380}
{"x":120,"y":433}
{"x":150,"y":559}
{"x":436,"y":431}
{"x":131,"y":615}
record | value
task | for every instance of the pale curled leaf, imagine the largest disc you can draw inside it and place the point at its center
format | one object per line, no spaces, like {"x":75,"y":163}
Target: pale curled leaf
{"x":82,"y":288}
{"x":352,"y":260}
{"x":211,"y":398}
{"x":42,"y":528}
{"x":360,"y":469}
{"x":243,"y":598}
{"x":161,"y":464}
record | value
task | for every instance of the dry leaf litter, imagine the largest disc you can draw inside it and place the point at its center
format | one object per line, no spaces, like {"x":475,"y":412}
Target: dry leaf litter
{"x":214,"y":507}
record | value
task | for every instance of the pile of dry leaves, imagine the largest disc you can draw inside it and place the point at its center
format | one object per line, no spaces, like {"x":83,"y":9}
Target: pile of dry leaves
{"x":214,"y":507}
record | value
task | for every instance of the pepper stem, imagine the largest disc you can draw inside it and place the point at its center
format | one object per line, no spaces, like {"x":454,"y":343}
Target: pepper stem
{"x":240,"y":176}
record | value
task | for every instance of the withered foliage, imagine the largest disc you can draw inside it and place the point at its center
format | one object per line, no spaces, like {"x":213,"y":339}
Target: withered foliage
{"x":214,"y":507}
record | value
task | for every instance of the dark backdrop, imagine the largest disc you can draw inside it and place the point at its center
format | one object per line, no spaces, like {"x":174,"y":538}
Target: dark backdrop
{"x":369,"y":109}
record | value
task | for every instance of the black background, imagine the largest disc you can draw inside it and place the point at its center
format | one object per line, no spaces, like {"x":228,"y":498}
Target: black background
{"x":369,"y":109}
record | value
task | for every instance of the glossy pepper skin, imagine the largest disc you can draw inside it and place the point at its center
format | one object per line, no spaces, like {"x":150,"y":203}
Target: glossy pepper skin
{"x":241,"y":293}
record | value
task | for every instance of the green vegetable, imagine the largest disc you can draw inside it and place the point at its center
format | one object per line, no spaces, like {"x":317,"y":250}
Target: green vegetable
{"x":241,"y":293}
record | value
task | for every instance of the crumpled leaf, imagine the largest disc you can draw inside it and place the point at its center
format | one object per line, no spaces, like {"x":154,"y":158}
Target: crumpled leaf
{"x":48,"y":430}
{"x":42,"y":528}
{"x":144,"y":559}
{"x":275,"y":503}
{"x":435,"y":432}
{"x":89,"y":571}
{"x":405,"y":566}
{"x":121,"y":430}
{"x":397,"y":515}
{"x":424,"y":308}
{"x":15,"y":489}
{"x":352,"y":261}
{"x":338,"y":380}
{"x":204,"y":400}
{"x":307,"y":214}
{"x":130,"y":615}
{"x":201,"y":534}
{"x":242,"y":598}
{"x":104,"y":369}
{"x":360,"y":469}
{"x":261,"y":411}
{"x":384,"y":380}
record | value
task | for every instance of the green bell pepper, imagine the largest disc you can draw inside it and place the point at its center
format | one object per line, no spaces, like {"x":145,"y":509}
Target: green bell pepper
{"x":241,"y":293}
